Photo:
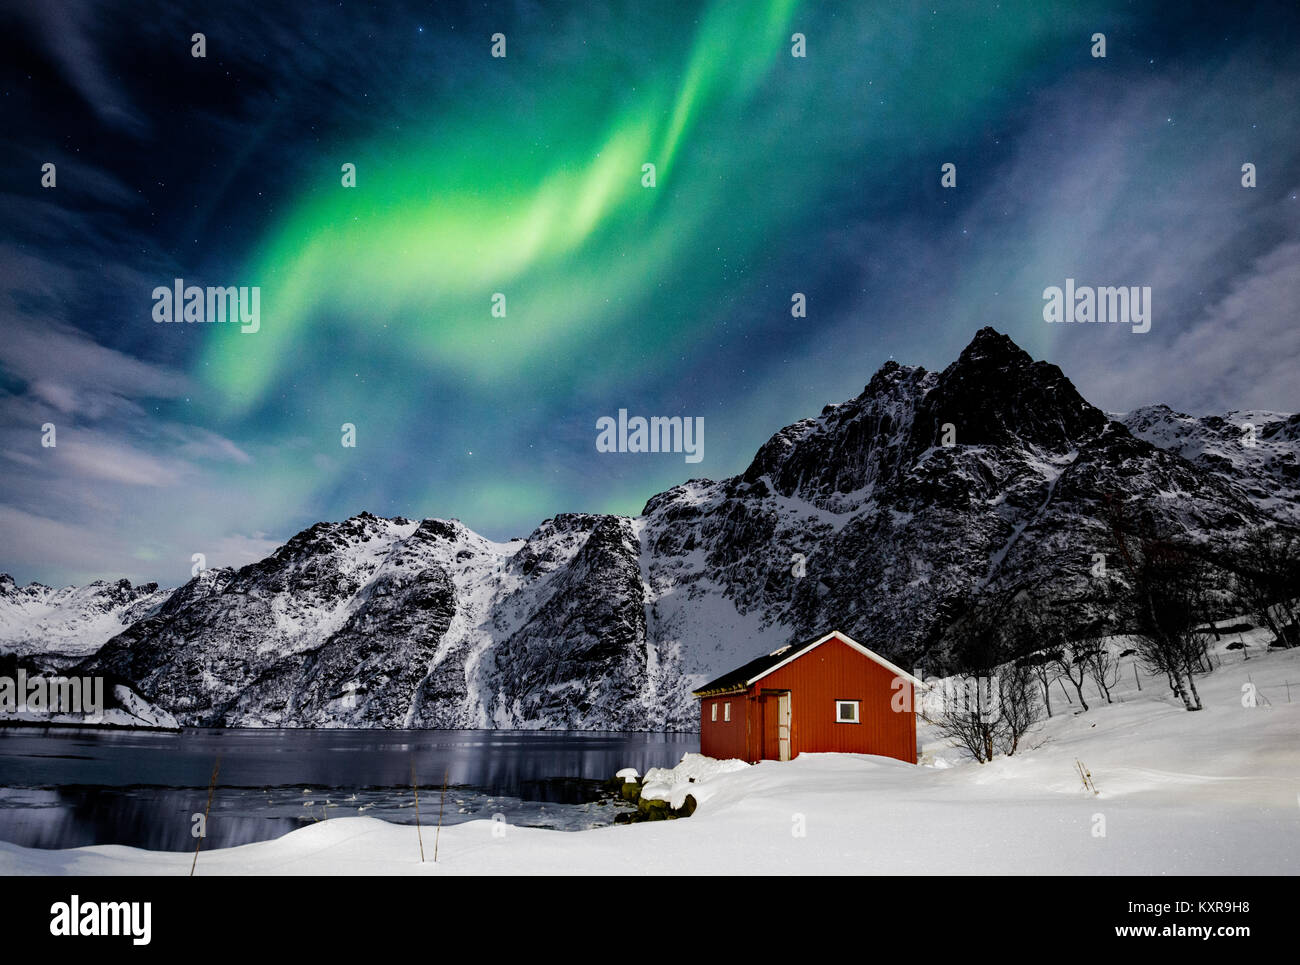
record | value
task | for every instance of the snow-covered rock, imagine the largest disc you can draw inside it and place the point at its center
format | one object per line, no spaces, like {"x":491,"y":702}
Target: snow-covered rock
{"x":692,"y":776}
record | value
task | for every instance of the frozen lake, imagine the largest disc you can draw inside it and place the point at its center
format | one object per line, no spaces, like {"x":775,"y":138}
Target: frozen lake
{"x":69,"y":788}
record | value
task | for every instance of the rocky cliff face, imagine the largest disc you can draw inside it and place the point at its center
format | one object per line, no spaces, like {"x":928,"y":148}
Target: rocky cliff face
{"x":877,"y":518}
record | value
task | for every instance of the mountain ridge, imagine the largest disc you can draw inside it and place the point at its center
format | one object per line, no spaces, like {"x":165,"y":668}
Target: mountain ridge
{"x":863,"y":518}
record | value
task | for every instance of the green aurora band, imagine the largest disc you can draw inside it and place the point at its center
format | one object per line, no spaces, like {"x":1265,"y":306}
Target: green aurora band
{"x":430,"y":237}
{"x":540,"y":197}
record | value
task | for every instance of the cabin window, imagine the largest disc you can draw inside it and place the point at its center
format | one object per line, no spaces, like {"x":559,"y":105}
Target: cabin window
{"x":726,"y":711}
{"x":714,"y":708}
{"x":846,"y":712}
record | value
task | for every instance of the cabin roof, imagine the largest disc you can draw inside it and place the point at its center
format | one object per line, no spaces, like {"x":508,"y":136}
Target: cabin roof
{"x":740,"y":679}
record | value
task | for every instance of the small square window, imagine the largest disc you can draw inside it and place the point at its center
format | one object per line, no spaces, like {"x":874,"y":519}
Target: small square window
{"x":714,"y":707}
{"x":726,"y":711}
{"x":846,"y":712}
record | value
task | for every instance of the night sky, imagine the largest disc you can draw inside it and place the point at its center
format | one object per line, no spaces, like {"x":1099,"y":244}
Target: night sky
{"x":522,"y":175}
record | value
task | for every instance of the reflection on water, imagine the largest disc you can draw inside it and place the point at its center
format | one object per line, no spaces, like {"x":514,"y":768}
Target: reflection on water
{"x":65,"y":789}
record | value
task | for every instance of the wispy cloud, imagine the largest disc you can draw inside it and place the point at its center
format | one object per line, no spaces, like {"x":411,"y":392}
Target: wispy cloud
{"x":1239,"y":353}
{"x":68,"y":31}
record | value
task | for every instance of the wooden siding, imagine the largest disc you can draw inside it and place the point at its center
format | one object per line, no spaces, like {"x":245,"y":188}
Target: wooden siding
{"x":816,"y":680}
{"x":722,"y":739}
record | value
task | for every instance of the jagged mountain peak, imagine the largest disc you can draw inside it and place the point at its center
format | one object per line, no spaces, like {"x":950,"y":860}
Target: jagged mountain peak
{"x":449,"y":530}
{"x":989,"y":343}
{"x":887,"y":376}
{"x":566,"y":523}
{"x":995,"y":393}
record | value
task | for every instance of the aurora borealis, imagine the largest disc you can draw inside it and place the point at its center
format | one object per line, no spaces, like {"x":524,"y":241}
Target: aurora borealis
{"x":521,"y":176}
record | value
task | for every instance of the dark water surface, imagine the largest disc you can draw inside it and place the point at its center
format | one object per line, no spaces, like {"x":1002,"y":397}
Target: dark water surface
{"x":68,"y":788}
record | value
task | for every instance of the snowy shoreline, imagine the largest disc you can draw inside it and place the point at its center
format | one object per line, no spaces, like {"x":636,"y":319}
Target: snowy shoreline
{"x":1207,"y":793}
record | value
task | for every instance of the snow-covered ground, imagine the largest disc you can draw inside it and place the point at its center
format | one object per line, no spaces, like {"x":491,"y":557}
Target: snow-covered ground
{"x":1209,"y":793}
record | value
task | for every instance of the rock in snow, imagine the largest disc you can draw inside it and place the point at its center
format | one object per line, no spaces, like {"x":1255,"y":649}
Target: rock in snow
{"x":691,"y":776}
{"x":860,"y":519}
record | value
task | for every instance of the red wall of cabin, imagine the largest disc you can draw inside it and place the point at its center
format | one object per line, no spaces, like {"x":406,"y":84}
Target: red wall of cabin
{"x":830,"y":672}
{"x":723,"y":739}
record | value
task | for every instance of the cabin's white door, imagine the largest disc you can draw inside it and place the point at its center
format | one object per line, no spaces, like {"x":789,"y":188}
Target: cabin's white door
{"x":783,"y":726}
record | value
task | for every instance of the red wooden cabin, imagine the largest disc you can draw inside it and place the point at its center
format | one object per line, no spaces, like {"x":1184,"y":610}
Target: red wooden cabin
{"x":828,"y":694}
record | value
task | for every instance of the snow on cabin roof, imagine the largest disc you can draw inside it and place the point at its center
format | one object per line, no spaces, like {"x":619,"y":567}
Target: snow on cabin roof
{"x":739,"y":680}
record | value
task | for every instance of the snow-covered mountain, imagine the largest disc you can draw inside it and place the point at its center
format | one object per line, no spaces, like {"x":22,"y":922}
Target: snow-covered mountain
{"x":861,"y":519}
{"x":1259,"y":450}
{"x":68,"y":624}
{"x":379,"y":622}
{"x":898,"y":528}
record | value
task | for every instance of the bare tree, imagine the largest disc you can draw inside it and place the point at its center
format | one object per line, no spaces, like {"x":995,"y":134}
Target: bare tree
{"x":1016,"y":703}
{"x":1268,"y":579}
{"x":1103,"y":667}
{"x":1170,"y":607}
{"x":990,"y":706}
{"x":1024,"y":637}
{"x":1042,"y":666}
{"x":965,"y":713}
{"x":1071,"y":660}
{"x":1100,"y":661}
{"x":962,"y":711}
